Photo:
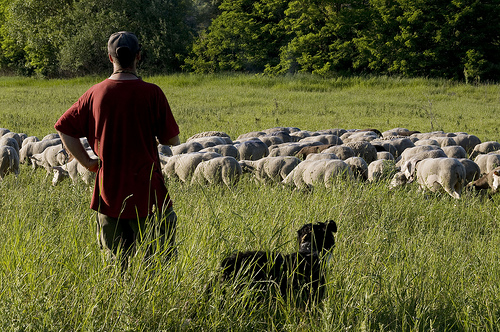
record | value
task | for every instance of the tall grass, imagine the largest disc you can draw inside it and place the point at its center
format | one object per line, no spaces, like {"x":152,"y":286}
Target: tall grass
{"x":404,"y":261}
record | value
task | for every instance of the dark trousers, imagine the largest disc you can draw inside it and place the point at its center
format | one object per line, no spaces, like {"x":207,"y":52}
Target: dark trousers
{"x":121,"y":237}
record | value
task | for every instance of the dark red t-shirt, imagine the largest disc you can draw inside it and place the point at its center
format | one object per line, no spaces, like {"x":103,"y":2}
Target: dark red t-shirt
{"x":121,"y":120}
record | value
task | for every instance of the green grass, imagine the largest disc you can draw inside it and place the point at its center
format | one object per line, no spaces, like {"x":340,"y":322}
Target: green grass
{"x":403,"y":261}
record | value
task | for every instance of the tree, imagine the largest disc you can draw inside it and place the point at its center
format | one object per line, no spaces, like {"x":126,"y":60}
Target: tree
{"x":69,"y":37}
{"x":246,"y":36}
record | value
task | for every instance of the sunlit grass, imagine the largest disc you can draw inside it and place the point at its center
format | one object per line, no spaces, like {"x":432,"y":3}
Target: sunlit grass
{"x":404,"y":261}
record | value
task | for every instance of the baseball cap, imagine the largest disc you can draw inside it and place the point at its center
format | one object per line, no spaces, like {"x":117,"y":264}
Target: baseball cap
{"x":123,"y":44}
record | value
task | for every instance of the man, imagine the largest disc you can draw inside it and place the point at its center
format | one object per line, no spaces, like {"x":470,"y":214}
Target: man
{"x":123,"y":117}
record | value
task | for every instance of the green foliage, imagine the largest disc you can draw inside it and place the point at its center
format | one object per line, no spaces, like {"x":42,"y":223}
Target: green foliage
{"x":403,"y":37}
{"x":246,"y":36}
{"x":67,"y":37}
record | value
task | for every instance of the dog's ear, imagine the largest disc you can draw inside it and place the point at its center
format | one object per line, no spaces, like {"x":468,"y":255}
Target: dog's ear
{"x":331,"y":226}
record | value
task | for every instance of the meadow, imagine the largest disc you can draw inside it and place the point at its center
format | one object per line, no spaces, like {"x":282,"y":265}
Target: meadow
{"x":404,"y":261}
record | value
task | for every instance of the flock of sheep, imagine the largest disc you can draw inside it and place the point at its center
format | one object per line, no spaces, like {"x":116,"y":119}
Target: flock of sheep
{"x":436,"y":160}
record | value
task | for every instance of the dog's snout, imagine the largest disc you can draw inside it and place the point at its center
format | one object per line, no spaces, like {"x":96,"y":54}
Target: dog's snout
{"x":305,"y":247}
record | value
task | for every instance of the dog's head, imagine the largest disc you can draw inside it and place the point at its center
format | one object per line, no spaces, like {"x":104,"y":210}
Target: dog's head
{"x":316,"y":238}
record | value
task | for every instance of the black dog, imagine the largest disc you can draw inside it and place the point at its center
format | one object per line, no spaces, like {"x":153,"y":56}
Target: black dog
{"x":297,"y":273}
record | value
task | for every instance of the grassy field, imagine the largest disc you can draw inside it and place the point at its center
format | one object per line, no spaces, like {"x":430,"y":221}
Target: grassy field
{"x":403,"y":261}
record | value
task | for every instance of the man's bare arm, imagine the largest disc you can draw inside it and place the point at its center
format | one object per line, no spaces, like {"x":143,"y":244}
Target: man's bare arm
{"x":173,"y":141}
{"x":75,"y":147}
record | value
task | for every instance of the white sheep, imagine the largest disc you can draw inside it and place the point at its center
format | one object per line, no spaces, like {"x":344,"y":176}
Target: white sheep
{"x":437,"y":173}
{"x":36,"y":147}
{"x":428,"y":141}
{"x":74,"y":170}
{"x":321,"y":156}
{"x":420,"y":152}
{"x":270,"y":169}
{"x":9,"y":161}
{"x":207,"y":134}
{"x":208,"y":141}
{"x":182,"y":166}
{"x":29,"y":139}
{"x":52,"y":156}
{"x":289,"y":149}
{"x":324,"y":139}
{"x":487,"y":162}
{"x":218,"y":170}
{"x":322,"y":172}
{"x":359,"y":136}
{"x":381,"y":169}
{"x":187,"y":147}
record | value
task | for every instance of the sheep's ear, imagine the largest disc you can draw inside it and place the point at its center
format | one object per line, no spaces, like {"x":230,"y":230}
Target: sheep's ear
{"x":331,"y":226}
{"x":411,"y":166}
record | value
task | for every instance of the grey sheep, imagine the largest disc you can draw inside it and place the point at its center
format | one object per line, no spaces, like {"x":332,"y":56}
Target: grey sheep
{"x":271,"y":140}
{"x":359,"y":136}
{"x":252,"y":150}
{"x":468,"y":142}
{"x":165,"y":150}
{"x":9,"y":161}
{"x":218,"y":170}
{"x":15,"y":136}
{"x":270,"y":169}
{"x":484,"y":148}
{"x":186,"y":147}
{"x":36,"y":147}
{"x":364,"y":150}
{"x":472,"y":170}
{"x":384,"y":155}
{"x":50,"y":136}
{"x":454,"y":151}
{"x":401,"y":144}
{"x":359,"y":167}
{"x":322,"y":172}
{"x":227,"y":150}
{"x":341,"y":151}
{"x":10,"y":141}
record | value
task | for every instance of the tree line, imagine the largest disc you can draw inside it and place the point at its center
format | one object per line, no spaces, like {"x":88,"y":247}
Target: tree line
{"x":455,"y":39}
